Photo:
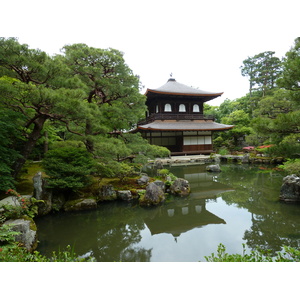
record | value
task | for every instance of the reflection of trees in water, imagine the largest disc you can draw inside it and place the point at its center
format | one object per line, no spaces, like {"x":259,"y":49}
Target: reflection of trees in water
{"x":116,"y":236}
{"x":110,"y":233}
{"x":117,"y":244}
{"x":273,"y":223}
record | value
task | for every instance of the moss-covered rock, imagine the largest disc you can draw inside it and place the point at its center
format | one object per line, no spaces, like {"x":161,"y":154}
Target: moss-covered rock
{"x":28,"y":232}
{"x":180,"y":187}
{"x":80,"y":204}
{"x":107,"y":193}
{"x":153,"y":196}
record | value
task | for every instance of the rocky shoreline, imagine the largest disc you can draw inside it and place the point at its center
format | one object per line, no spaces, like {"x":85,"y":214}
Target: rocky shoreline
{"x":150,"y":193}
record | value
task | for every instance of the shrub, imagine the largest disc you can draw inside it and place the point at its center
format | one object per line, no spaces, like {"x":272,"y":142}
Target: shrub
{"x":286,"y":150}
{"x":292,"y":166}
{"x":68,"y":168}
{"x":288,"y":254}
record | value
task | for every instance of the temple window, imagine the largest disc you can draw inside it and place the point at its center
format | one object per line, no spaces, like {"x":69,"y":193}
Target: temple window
{"x":196,"y":108}
{"x":182,"y":108}
{"x":156,"y":109}
{"x":168,"y":107}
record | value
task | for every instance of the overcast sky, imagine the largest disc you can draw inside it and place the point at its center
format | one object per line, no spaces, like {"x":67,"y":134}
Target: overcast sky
{"x":202,"y":43}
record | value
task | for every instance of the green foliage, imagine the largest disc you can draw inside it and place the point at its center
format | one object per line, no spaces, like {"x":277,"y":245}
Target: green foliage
{"x":287,"y":150}
{"x":292,"y":166}
{"x":288,"y":254}
{"x":262,"y":69}
{"x":10,"y":137}
{"x":291,"y":71}
{"x":68,"y":167}
{"x":223,"y":151}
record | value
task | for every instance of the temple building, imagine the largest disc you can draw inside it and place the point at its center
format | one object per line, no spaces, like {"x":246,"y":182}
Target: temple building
{"x":176,"y":121}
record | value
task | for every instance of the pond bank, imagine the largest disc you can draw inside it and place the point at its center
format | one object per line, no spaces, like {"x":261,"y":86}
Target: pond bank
{"x":204,"y":159}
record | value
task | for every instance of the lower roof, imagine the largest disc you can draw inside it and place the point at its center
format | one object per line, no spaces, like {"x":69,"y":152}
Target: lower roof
{"x":184,"y":125}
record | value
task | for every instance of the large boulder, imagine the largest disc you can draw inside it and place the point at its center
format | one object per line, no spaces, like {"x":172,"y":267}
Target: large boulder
{"x":180,"y":187}
{"x":213,"y":168}
{"x":290,"y":189}
{"x":153,"y":196}
{"x":80,"y":204}
{"x":28,"y":235}
{"x":125,"y":195}
{"x":107,"y":193}
{"x":161,"y":184}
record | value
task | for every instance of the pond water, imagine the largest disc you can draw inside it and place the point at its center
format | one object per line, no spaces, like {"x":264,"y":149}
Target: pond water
{"x":238,"y":206}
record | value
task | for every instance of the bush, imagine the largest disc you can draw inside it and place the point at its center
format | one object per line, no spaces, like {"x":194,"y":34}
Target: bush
{"x":68,"y":168}
{"x":288,"y":254}
{"x":292,"y":166}
{"x":286,"y":150}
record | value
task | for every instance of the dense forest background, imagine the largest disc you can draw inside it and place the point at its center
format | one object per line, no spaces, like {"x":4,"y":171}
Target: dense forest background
{"x":74,"y":111}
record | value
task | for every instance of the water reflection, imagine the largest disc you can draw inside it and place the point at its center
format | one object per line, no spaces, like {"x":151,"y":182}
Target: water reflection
{"x":238,"y":205}
{"x":181,"y":216}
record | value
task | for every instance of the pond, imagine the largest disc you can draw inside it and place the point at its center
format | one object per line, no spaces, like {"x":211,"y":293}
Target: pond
{"x":238,"y":206}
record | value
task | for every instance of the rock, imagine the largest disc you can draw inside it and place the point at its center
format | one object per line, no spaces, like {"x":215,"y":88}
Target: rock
{"x":213,"y":168}
{"x":143,"y":180}
{"x":245,"y":158}
{"x":11,"y":200}
{"x":38,"y":186}
{"x":28,"y":234}
{"x":124,"y":195}
{"x":154,"y":195}
{"x":80,"y":204}
{"x":290,"y":189}
{"x":107,"y":193}
{"x":161,"y":184}
{"x":158,"y":164}
{"x":180,"y":187}
{"x":52,"y":199}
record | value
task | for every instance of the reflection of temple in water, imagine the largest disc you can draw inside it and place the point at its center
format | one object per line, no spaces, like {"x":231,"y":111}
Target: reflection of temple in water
{"x":183,"y":215}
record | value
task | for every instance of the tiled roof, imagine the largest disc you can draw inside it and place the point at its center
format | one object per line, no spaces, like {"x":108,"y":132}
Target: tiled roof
{"x":175,"y":88}
{"x":186,"y":125}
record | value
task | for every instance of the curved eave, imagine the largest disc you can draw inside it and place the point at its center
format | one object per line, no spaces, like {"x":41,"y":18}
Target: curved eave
{"x":183,"y":94}
{"x":206,"y":129}
{"x":183,"y":126}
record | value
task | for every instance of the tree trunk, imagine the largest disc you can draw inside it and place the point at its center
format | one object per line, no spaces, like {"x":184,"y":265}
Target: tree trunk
{"x":29,"y":145}
{"x":88,"y":143}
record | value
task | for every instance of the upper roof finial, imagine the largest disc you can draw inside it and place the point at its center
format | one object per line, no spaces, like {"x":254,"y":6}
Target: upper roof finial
{"x":171,"y":75}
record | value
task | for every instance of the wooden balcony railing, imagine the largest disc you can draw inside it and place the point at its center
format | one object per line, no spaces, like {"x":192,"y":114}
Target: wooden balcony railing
{"x":181,"y":116}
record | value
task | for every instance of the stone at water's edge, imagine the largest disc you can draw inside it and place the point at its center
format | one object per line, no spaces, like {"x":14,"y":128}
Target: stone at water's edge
{"x":107,"y":193}
{"x":290,"y":189}
{"x":27,"y":236}
{"x":154,"y":195}
{"x":124,"y":195}
{"x":180,"y":187}
{"x":80,"y":204}
{"x":213,"y":168}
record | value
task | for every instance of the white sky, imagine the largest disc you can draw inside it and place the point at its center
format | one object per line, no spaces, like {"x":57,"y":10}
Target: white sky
{"x":203,"y":43}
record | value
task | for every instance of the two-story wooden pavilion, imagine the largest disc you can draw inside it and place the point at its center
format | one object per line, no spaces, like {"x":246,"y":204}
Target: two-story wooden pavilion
{"x":176,"y":121}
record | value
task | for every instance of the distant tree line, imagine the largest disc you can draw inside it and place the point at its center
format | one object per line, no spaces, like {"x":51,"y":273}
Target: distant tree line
{"x":270,"y":112}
